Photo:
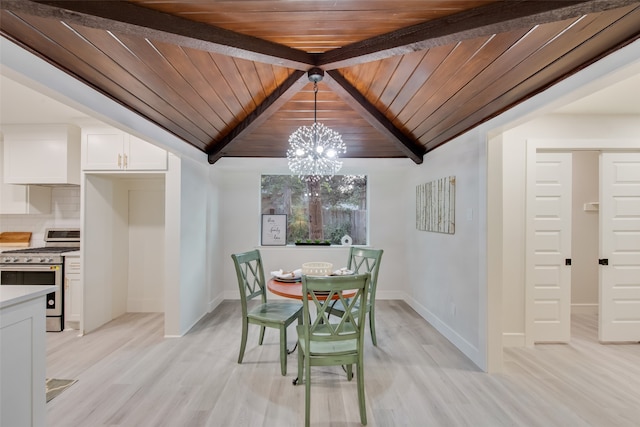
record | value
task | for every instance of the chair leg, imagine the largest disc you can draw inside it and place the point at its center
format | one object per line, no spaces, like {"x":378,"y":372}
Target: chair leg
{"x":361,"y":400}
{"x":372,"y":325}
{"x":299,"y":378}
{"x":243,"y":341}
{"x":307,"y":393}
{"x":349,"y":370}
{"x":262,"y":329}
{"x":283,"y":350}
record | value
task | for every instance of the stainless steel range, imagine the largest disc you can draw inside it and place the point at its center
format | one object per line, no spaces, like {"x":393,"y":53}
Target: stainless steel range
{"x":42,"y":266}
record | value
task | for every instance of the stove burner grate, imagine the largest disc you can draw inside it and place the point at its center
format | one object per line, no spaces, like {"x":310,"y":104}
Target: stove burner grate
{"x":48,"y":250}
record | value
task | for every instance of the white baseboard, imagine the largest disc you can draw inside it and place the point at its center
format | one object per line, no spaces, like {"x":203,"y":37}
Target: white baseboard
{"x":216,"y":302}
{"x":513,"y":339}
{"x":584,"y":308}
{"x":468,"y":349}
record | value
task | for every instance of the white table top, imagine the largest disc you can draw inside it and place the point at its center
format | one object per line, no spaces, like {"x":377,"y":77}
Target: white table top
{"x":15,"y":294}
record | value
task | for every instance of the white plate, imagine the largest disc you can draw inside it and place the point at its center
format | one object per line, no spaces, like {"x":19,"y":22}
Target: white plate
{"x":342,"y":272}
{"x":287,"y":276}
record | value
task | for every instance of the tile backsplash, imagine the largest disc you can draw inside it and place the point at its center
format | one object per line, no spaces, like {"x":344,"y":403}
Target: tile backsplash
{"x":65,"y":212}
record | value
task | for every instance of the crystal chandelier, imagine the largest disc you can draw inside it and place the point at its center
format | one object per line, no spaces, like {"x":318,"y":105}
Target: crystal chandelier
{"x":314,"y":150}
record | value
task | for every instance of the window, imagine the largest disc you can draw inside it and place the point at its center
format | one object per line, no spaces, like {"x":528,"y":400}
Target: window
{"x":318,"y":212}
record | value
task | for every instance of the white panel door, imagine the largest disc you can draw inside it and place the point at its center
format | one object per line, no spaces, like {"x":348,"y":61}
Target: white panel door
{"x":620,"y":244}
{"x":548,"y":248}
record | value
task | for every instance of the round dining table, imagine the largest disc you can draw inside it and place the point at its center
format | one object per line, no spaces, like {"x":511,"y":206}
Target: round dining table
{"x":293,"y":290}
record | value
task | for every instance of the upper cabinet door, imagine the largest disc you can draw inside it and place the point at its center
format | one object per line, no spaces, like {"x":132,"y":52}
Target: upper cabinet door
{"x":111,"y":149}
{"x":102,"y":149}
{"x":142,"y":155}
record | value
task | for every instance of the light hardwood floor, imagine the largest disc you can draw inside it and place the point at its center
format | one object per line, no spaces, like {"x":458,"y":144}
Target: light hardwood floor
{"x":129,"y":375}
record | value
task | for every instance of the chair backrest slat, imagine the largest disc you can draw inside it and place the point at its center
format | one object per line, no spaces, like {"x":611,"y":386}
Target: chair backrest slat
{"x":363,"y":260}
{"x":321,"y":291}
{"x":250,"y":275}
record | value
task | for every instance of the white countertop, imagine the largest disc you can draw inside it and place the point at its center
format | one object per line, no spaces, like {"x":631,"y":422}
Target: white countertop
{"x":74,"y":253}
{"x":15,"y":294}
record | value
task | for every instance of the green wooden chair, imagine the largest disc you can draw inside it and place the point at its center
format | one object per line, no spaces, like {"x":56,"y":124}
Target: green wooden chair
{"x":274,"y":314}
{"x":322,"y":343}
{"x":363,"y":261}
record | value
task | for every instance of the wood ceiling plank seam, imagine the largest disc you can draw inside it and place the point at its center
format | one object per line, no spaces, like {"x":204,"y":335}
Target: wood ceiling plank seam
{"x":488,"y":77}
{"x":432,"y":60}
{"x":248,"y":73}
{"x":508,"y":62}
{"x":380,"y":81}
{"x":412,"y":149}
{"x":362,"y":78}
{"x":400,"y":77}
{"x":219,"y":117}
{"x":203,"y":62}
{"x":545,"y":78}
{"x":469,"y":24}
{"x":483,"y":71}
{"x":128,"y":18}
{"x":91,"y":75}
{"x":418,"y":79}
{"x":545,"y":54}
{"x":182,"y":79}
{"x":267,"y":78}
{"x":251,"y":21}
{"x":235,"y":81}
{"x":260,"y":114}
{"x":147,"y":76}
{"x":225,"y":90}
{"x":436,"y":88}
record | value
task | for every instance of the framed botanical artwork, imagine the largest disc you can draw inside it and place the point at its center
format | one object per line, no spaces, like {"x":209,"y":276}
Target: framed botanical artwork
{"x":436,"y":206}
{"x":274,"y":230}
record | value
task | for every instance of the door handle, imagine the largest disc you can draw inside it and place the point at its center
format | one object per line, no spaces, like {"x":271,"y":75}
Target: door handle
{"x":603,"y":261}
{"x":567,"y":261}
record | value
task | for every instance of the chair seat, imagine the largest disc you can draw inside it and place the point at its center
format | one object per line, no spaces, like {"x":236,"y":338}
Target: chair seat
{"x":333,"y":348}
{"x":275,"y":311}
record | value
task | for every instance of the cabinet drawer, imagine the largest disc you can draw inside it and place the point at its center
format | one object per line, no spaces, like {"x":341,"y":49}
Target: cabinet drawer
{"x":72,"y":265}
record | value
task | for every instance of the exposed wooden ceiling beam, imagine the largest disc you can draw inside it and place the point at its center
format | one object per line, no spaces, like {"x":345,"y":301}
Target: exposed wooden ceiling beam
{"x":128,"y":18}
{"x":490,"y":19}
{"x":268,"y":107}
{"x":371,"y":114}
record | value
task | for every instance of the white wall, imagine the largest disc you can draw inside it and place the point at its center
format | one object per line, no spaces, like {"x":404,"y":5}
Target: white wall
{"x":215,"y":241}
{"x":584,"y":233}
{"x":446,"y":281}
{"x":146,"y":241}
{"x":240,"y":216}
{"x":98,"y":208}
{"x":194,"y":293}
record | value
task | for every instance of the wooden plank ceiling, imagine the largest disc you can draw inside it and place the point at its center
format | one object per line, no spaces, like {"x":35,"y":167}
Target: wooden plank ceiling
{"x":401,"y":77}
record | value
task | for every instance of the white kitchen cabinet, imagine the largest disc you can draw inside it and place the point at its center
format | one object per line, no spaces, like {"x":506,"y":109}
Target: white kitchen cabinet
{"x":41,"y":154}
{"x":114,"y":150}
{"x":72,"y":292}
{"x":23,"y":199}
{"x":23,"y":355}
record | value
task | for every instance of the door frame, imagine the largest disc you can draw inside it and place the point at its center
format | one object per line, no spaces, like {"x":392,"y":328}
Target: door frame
{"x":561,"y":145}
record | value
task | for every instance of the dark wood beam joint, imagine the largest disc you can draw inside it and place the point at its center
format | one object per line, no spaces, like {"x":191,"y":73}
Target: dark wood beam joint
{"x":266,"y":109}
{"x":482,"y":21}
{"x":373,"y":116}
{"x":128,"y":18}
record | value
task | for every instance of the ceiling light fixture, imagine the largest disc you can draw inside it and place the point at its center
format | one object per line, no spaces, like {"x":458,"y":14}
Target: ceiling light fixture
{"x":314,"y":150}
